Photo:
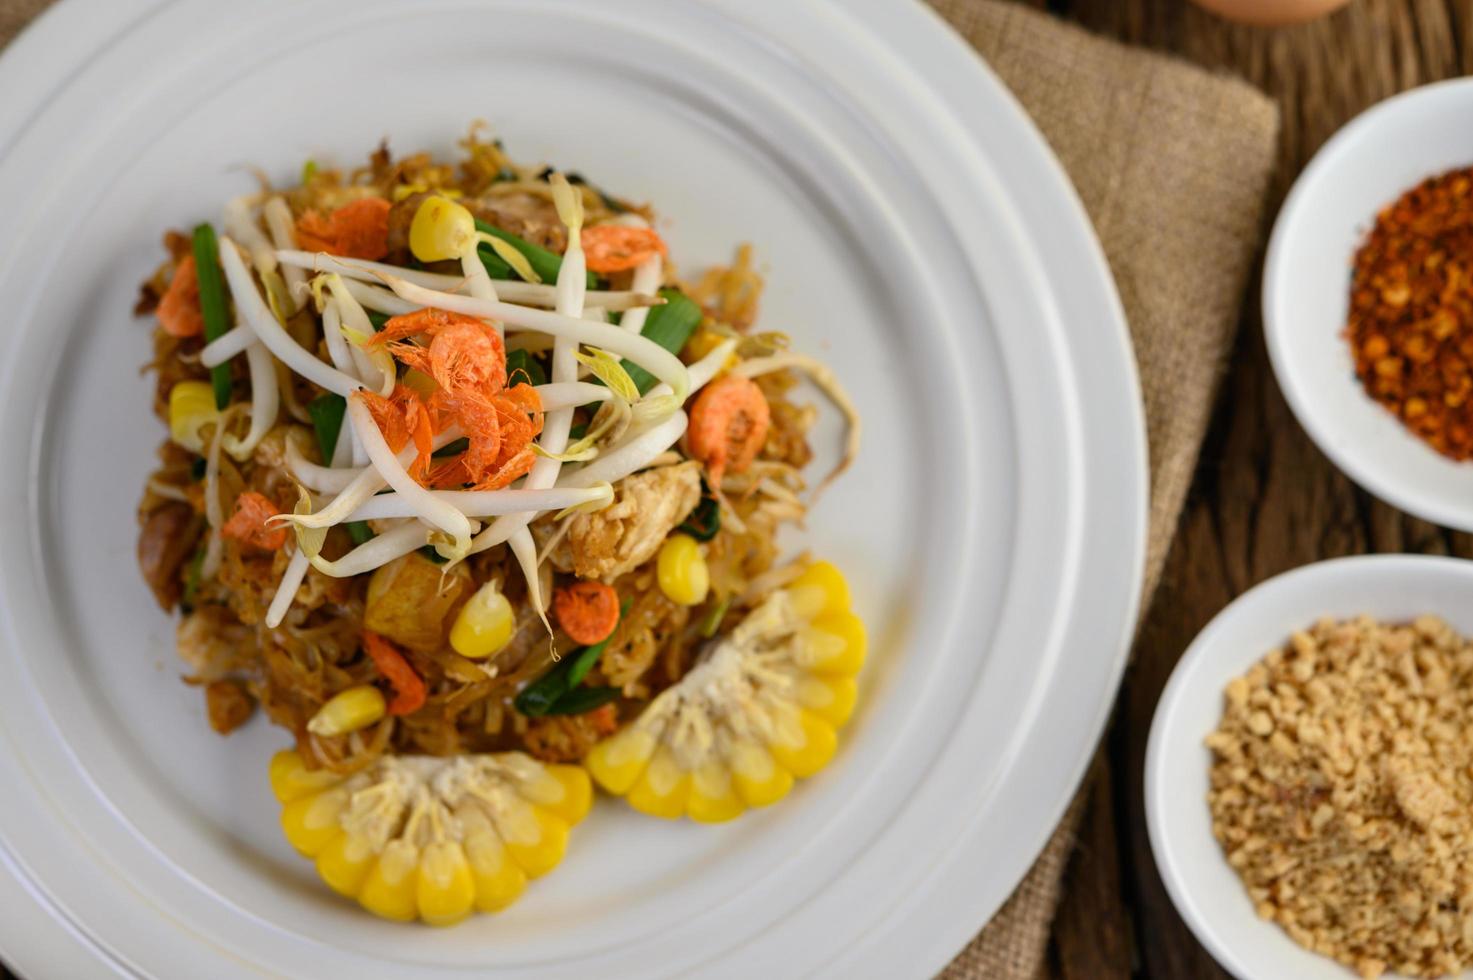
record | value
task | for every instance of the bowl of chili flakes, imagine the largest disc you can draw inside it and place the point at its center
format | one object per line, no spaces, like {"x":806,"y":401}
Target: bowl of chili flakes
{"x":1368,"y":301}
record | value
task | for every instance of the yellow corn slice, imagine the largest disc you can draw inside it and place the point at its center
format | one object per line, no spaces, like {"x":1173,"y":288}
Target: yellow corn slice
{"x":391,"y":838}
{"x":762,"y":708}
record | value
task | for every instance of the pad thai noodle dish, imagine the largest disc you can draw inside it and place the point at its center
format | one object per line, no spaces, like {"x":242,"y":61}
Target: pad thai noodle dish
{"x":474,"y":491}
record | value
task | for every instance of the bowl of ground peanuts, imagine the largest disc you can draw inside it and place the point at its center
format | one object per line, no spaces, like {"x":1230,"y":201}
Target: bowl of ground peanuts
{"x":1368,"y":301}
{"x":1309,"y":774}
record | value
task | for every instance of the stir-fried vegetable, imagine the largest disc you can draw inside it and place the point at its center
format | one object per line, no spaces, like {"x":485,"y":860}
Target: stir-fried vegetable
{"x":670,"y":326}
{"x":550,"y":692}
{"x":212,"y":303}
{"x":545,"y":264}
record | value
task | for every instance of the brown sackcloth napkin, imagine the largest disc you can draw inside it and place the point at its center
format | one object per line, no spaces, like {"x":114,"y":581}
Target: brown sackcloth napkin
{"x":1172,"y":163}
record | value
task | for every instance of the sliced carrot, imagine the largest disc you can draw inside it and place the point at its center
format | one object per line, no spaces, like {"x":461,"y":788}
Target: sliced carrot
{"x":358,"y":230}
{"x":728,"y":424}
{"x":179,"y":312}
{"x":248,"y":524}
{"x":587,"y":611}
{"x":615,"y":248}
{"x":409,"y":687}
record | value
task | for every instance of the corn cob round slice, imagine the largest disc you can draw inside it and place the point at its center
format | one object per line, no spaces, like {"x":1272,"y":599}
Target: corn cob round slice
{"x":761,"y":709}
{"x":434,"y":839}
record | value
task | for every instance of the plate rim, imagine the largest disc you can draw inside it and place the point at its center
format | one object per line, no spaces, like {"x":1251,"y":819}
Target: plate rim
{"x":1093,"y":278}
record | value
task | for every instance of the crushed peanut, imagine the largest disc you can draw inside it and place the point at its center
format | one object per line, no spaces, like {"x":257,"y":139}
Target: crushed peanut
{"x":1342,"y":793}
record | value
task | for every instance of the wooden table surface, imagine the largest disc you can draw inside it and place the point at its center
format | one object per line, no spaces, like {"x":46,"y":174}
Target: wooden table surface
{"x":1264,"y":499}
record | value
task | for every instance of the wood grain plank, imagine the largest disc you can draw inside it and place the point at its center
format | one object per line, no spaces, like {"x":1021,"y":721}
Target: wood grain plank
{"x":1265,"y":500}
{"x":1092,"y":934}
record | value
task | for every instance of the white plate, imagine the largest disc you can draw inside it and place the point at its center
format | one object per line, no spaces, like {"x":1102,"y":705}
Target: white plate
{"x":1383,"y":152}
{"x":916,"y":233}
{"x":1207,"y":892}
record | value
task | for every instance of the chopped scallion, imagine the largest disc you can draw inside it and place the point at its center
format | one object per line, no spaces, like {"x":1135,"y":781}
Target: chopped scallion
{"x":212,"y":303}
{"x":557,"y":693}
{"x":521,"y":366}
{"x":327,"y":421}
{"x":545,"y":263}
{"x":670,"y":326}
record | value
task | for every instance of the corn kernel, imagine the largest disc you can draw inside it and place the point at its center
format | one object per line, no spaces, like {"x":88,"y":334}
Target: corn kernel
{"x":191,"y":408}
{"x":543,"y":852}
{"x":806,"y":746}
{"x":484,"y":625}
{"x":499,"y":881}
{"x":440,"y":230}
{"x":713,"y":798}
{"x":681,"y":570}
{"x":345,"y":862}
{"x":390,"y":889}
{"x":831,"y":698}
{"x":663,"y":788}
{"x":834,"y":644}
{"x":357,"y":707}
{"x":445,"y":888}
{"x":820,"y":589}
{"x":291,"y":779}
{"x":311,"y":822}
{"x":562,"y":790}
{"x":618,"y":761}
{"x":757,"y":777}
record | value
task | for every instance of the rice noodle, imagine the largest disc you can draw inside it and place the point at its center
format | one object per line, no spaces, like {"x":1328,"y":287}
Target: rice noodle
{"x":824,"y":379}
{"x":214,"y":509}
{"x":253,"y":310}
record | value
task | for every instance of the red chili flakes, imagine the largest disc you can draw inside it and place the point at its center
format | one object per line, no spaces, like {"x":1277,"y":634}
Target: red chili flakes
{"x":1411,"y":311}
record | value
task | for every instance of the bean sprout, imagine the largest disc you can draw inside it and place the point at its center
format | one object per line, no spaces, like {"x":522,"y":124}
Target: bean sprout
{"x":286,"y":591}
{"x":486,"y":503}
{"x":241,"y":225}
{"x":278,"y":218}
{"x":641,"y":350}
{"x":647,"y":275}
{"x":252,"y":309}
{"x":264,"y":403}
{"x":434,"y":512}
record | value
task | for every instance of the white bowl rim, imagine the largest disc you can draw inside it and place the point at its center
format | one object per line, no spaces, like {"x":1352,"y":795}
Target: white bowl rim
{"x":1166,"y":724}
{"x":1384,"y":482}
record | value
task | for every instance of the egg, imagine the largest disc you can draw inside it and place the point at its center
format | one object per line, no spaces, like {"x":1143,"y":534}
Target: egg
{"x":1270,"y":13}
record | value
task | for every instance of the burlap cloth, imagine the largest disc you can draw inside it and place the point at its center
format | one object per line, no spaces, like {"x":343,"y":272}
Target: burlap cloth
{"x":1172,"y":164}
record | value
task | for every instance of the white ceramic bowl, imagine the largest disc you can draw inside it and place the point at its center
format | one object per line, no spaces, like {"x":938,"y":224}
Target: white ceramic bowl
{"x":1206,"y":891}
{"x":1368,"y":164}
